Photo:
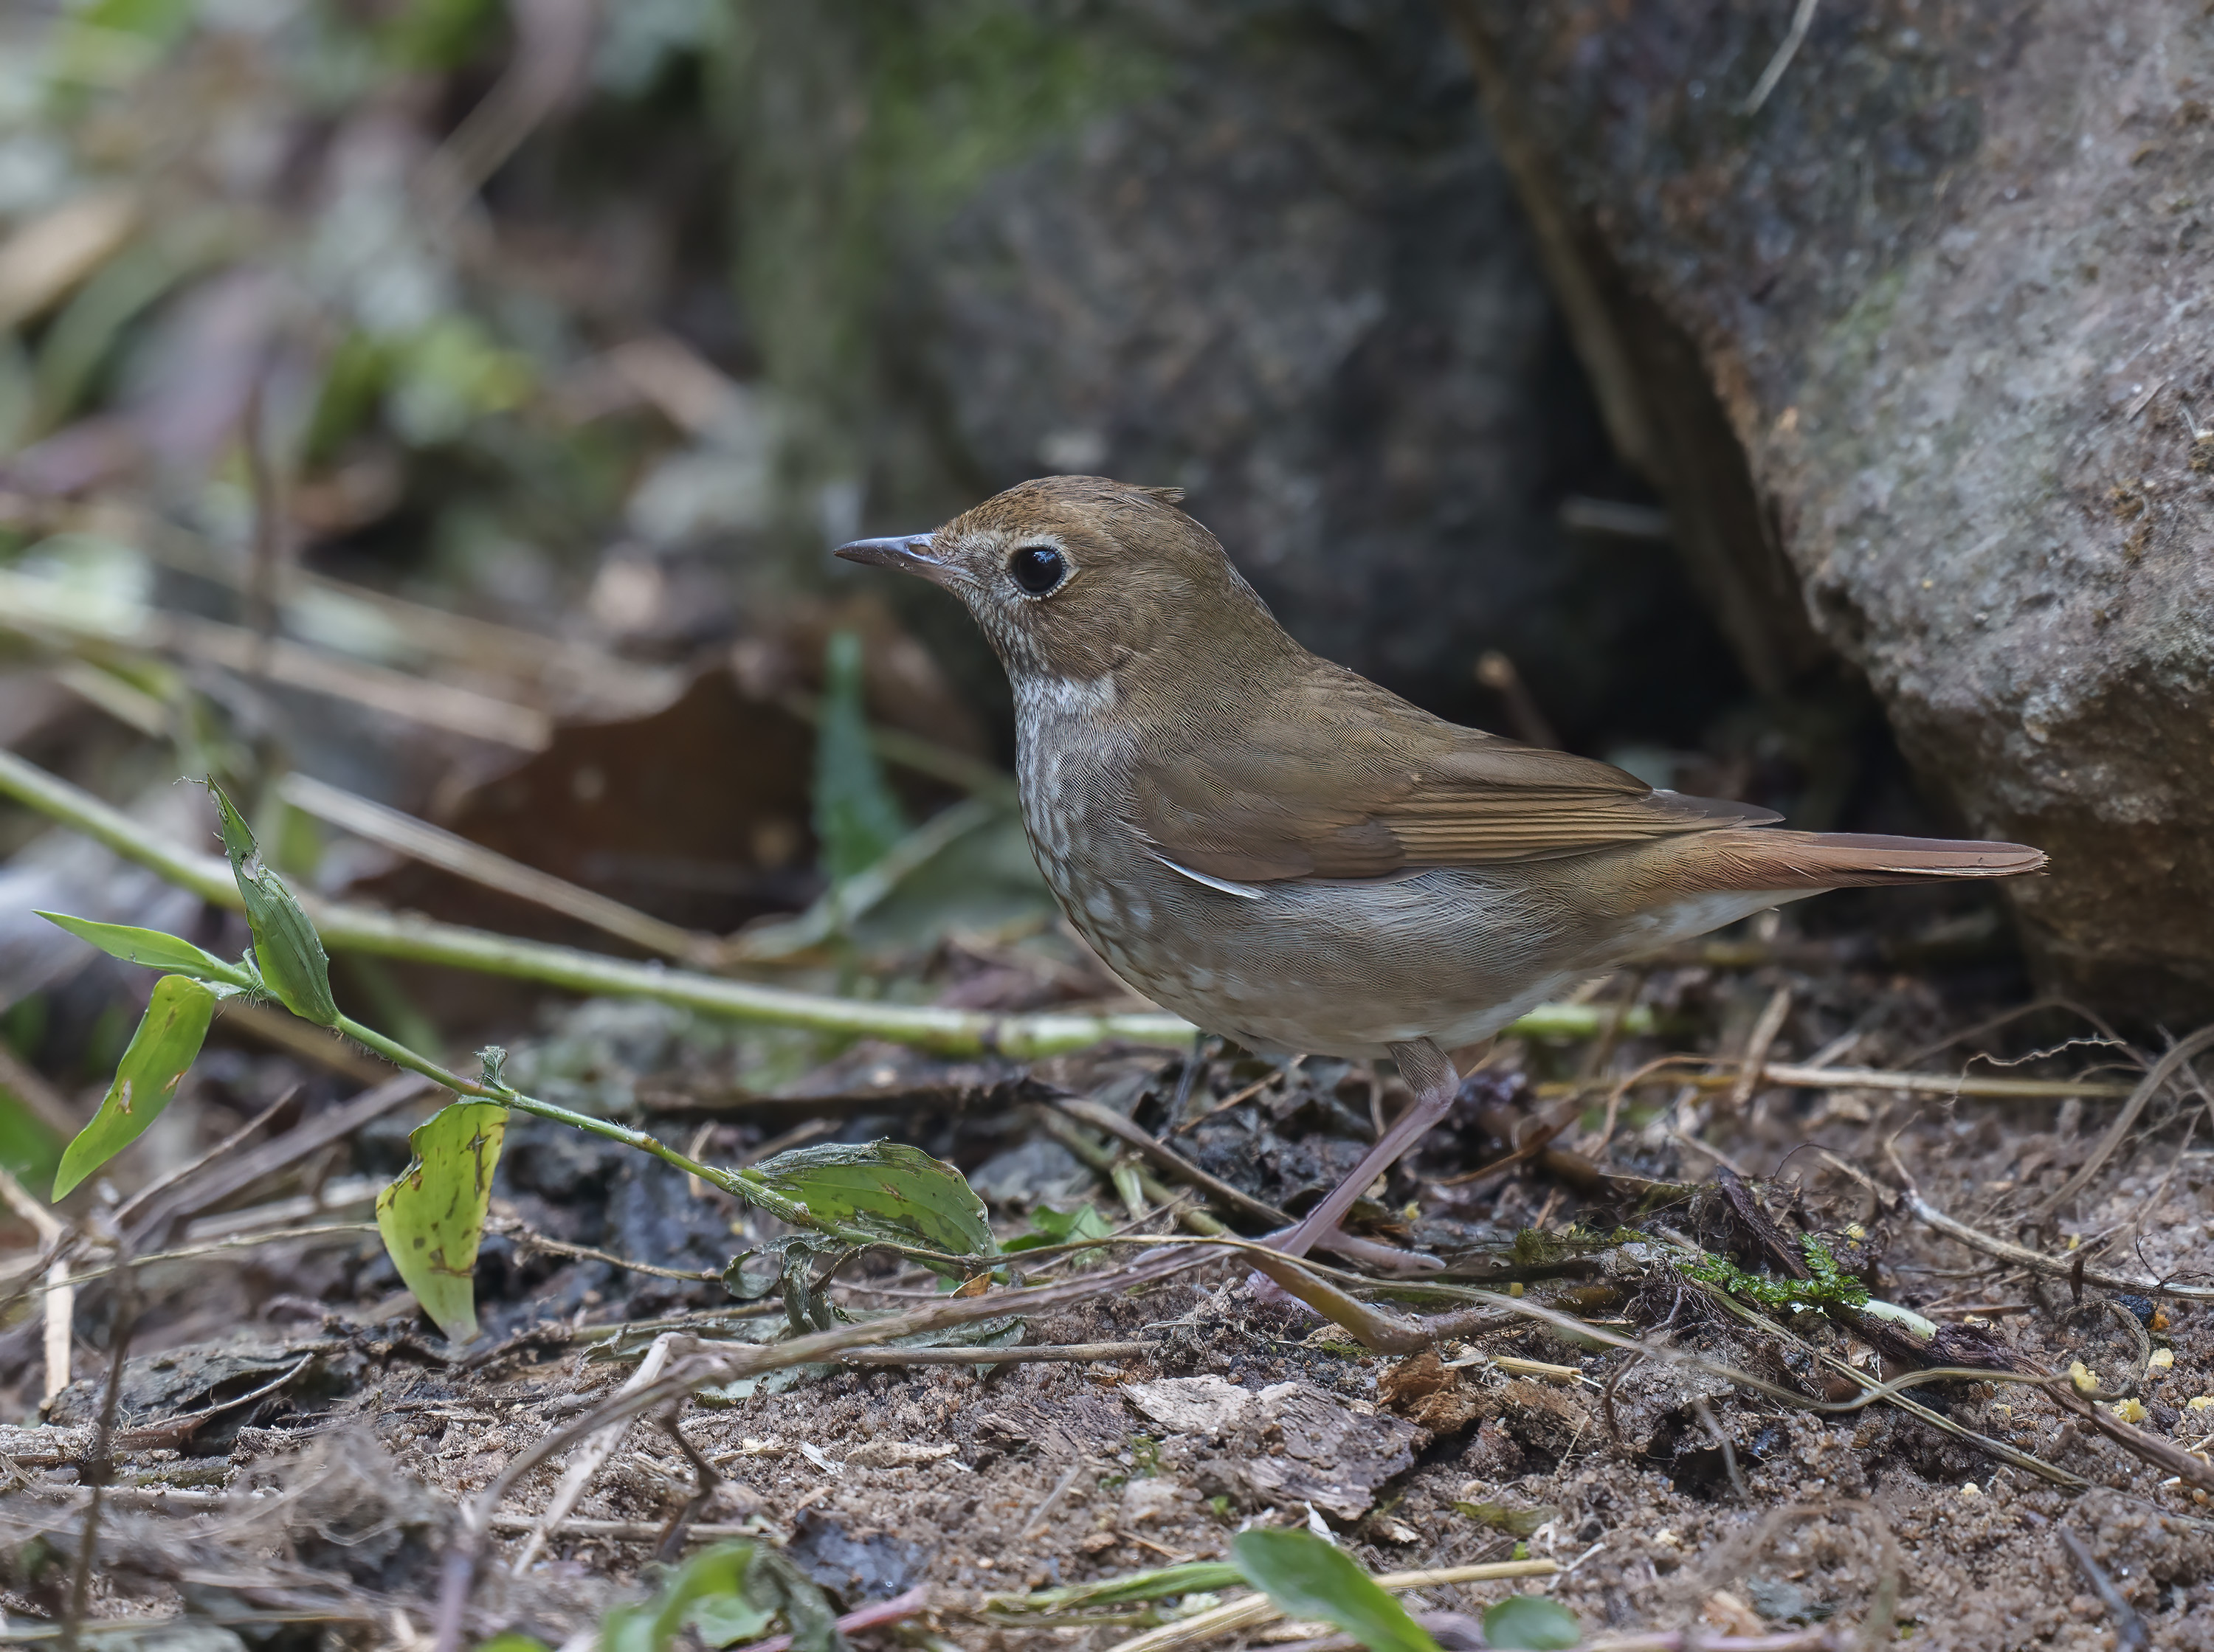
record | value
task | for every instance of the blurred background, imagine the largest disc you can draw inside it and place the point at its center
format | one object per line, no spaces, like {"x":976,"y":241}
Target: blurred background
{"x":438,"y":412}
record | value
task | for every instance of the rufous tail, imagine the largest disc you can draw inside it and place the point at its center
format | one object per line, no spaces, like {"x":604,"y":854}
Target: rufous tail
{"x":1742,"y":858}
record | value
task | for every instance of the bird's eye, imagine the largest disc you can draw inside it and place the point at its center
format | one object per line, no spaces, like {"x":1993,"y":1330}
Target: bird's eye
{"x":1038,"y":568}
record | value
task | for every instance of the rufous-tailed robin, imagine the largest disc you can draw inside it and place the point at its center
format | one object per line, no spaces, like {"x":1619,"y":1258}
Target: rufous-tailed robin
{"x":1284,"y":853}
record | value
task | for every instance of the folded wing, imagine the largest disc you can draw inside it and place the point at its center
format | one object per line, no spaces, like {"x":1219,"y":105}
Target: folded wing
{"x":1339,"y":778}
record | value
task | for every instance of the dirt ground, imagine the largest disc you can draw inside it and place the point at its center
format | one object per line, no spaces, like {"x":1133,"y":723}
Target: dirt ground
{"x":315,"y":1510}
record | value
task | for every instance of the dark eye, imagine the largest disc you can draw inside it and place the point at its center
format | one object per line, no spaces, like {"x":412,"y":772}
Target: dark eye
{"x":1038,"y":568}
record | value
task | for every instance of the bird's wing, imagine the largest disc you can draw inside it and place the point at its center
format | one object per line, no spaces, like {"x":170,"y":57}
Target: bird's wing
{"x":1335,"y":777}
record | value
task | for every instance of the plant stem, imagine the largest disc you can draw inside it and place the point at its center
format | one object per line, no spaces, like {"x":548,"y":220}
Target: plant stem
{"x":740,"y":1184}
{"x":944,"y":1031}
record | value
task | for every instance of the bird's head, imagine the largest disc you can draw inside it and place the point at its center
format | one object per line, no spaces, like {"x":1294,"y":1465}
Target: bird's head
{"x":1072,"y":577}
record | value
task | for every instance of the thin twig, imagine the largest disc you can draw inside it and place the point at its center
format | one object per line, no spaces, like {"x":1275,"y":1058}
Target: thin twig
{"x":699,"y":1370}
{"x":36,"y":1092}
{"x":1765,"y":1029}
{"x":2052,"y":1267}
{"x":593,"y":1454}
{"x":1281,"y":1075}
{"x":60,"y":1296}
{"x":2130,"y":1633}
{"x":897,"y":1610}
{"x":1072,"y":1352}
{"x":1802,"y":19}
{"x":527,"y":1238}
{"x":391,"y":828}
{"x":1253,"y":1611}
{"x":1798,"y":1075}
{"x":1114,"y":1123}
{"x":703,"y":1481}
{"x":2162,"y":1070}
{"x":150,"y":1205}
{"x":346,"y":928}
{"x":99,"y":1464}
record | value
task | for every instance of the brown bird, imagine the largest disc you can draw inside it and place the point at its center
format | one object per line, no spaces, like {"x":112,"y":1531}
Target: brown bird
{"x":1283,"y":852}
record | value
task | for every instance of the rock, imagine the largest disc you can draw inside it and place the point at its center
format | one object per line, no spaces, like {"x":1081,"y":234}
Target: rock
{"x":1653,"y":1404}
{"x":1492,"y":1454}
{"x":1153,"y":1497}
{"x":1540,"y":1415}
{"x":1333,"y":1455}
{"x":895,"y":1454}
{"x":1263,"y":251}
{"x":867,"y":1565}
{"x":1429,"y":1394}
{"x":1905,"y":348}
{"x":1287,"y":1444}
{"x":1208,"y":1405}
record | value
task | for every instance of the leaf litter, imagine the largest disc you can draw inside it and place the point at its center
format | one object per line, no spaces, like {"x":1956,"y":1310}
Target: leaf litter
{"x":1242,"y":1409}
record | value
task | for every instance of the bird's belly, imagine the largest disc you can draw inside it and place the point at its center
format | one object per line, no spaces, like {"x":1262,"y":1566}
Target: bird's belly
{"x":1349,"y":969}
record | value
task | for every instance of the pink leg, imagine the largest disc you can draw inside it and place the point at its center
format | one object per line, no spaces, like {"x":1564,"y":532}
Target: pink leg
{"x":1430,"y":1074}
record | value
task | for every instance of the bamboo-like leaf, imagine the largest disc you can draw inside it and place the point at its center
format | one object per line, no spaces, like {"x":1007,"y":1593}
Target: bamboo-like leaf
{"x":857,"y":817}
{"x":1530,"y":1622}
{"x":887,"y":1189}
{"x":1052,"y":1226}
{"x":151,"y":947}
{"x":1311,"y":1579}
{"x":168,"y":1041}
{"x":432,"y":1214}
{"x":290,"y":953}
{"x":723,"y":1596}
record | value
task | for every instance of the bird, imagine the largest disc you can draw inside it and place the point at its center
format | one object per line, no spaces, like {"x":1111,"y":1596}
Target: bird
{"x":1296,"y":858}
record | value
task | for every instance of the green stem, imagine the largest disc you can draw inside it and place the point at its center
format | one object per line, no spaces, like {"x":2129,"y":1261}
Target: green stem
{"x":740,"y":1184}
{"x":924,"y":1027}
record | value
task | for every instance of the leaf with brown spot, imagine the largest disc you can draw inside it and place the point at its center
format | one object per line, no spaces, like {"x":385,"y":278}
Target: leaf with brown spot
{"x":165,"y":1046}
{"x":432,"y":1214}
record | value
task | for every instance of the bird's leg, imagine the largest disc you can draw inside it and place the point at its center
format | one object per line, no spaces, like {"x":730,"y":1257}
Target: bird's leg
{"x":1429,"y":1072}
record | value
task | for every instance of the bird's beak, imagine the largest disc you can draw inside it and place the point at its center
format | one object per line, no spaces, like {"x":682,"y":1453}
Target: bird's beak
{"x":908,"y":552}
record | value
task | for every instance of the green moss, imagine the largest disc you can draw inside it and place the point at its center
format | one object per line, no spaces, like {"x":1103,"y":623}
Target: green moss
{"x":859,"y":126}
{"x":1829,"y":1284}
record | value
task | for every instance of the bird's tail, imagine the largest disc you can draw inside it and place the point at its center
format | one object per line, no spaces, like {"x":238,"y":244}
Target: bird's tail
{"x":1743,"y":858}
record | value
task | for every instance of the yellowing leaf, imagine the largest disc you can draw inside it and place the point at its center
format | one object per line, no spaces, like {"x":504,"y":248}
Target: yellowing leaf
{"x":432,"y":1214}
{"x":168,"y":1041}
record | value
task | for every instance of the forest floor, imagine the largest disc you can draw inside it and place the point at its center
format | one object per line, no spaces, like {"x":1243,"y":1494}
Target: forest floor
{"x":296,"y":1441}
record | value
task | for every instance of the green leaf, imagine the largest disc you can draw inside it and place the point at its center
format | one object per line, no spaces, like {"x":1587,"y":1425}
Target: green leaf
{"x":30,"y":1150}
{"x":856,"y":817}
{"x":152,"y":947}
{"x":1515,"y":1522}
{"x":1052,"y":1226}
{"x":433,"y":1215}
{"x":289,"y":952}
{"x":1193,"y":1577}
{"x":1310,"y":1578}
{"x":510,"y":1642}
{"x":726,"y":1594}
{"x":887,"y":1190}
{"x":1531,"y":1623}
{"x":167,"y":1040}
